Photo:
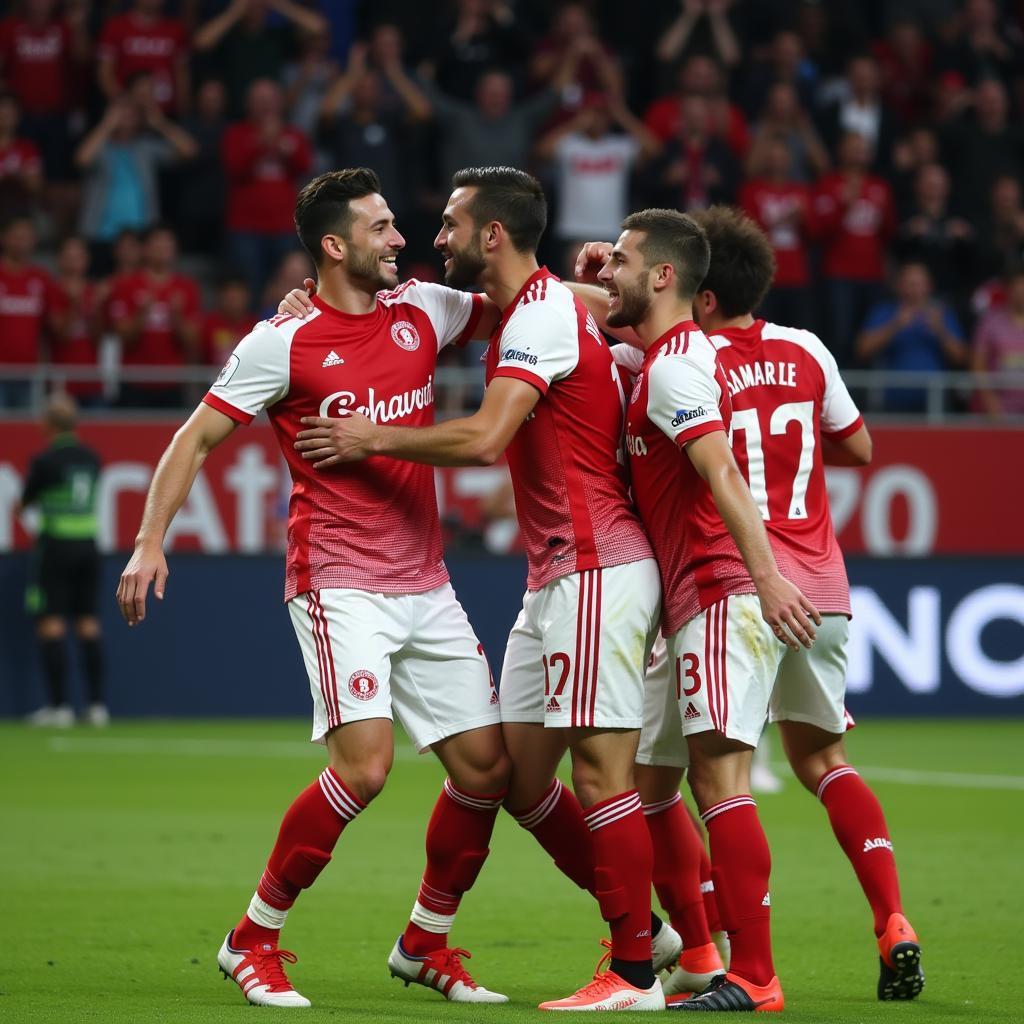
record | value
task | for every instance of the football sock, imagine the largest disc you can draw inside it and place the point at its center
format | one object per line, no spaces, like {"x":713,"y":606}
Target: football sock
{"x":457,"y":846}
{"x":556,"y":822}
{"x":859,"y":824}
{"x":707,"y":889}
{"x":92,"y":661}
{"x":623,"y":865}
{"x":55,"y":668}
{"x":308,"y":834}
{"x":677,"y":853}
{"x":741,"y":865}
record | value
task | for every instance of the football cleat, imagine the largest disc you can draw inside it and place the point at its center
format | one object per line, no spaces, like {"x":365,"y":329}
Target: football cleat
{"x":259,"y":973}
{"x":98,"y":716}
{"x":610,"y":992}
{"x":730,"y":992}
{"x":665,"y":947}
{"x":696,"y":969}
{"x":900,"y":975}
{"x":441,"y":970}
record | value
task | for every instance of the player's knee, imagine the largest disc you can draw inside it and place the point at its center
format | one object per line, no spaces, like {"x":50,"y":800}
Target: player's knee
{"x":488,"y":775}
{"x":88,"y":628}
{"x":593,"y":783}
{"x":365,"y":780}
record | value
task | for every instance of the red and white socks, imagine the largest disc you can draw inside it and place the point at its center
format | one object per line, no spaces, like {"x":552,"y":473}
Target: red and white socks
{"x":457,"y":846}
{"x":741,"y":866}
{"x":305,"y":841}
{"x":859,"y":824}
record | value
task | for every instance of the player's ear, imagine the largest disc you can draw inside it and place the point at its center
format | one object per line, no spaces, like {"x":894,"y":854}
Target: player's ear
{"x":664,"y":276}
{"x":707,"y":300}
{"x":334,"y":247}
{"x":493,"y":234}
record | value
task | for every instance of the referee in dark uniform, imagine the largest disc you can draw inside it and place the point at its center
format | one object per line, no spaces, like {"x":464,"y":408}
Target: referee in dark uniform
{"x":62,"y":484}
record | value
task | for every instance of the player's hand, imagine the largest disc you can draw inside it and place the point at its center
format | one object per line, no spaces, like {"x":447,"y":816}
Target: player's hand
{"x":297,"y":302}
{"x":147,"y":565}
{"x":592,"y":257}
{"x":788,"y":612}
{"x":330,"y":442}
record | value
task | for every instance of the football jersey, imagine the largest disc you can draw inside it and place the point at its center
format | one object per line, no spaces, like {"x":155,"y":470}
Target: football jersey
{"x":568,"y":469}
{"x":786,"y":393}
{"x":370,"y":525}
{"x":679,"y":395}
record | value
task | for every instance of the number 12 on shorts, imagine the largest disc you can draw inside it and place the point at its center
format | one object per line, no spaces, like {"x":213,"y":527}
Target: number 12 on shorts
{"x":555,"y":663}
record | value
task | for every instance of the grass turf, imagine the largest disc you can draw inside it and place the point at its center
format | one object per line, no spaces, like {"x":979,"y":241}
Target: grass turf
{"x":126,"y":854}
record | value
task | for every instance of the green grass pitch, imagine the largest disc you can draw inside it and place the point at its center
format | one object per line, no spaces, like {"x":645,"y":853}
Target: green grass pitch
{"x":126,"y":854}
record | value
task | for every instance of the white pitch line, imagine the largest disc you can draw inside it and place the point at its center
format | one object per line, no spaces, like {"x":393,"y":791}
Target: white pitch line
{"x":922,"y":777}
{"x":284,"y":749}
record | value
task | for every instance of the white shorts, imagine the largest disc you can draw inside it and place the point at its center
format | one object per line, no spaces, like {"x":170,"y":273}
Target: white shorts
{"x":417,"y":653}
{"x":811,"y":685}
{"x":662,"y":743}
{"x":725,"y":661}
{"x":577,"y":653}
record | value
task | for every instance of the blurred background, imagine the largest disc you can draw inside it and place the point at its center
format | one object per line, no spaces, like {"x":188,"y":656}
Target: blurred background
{"x":150,"y":153}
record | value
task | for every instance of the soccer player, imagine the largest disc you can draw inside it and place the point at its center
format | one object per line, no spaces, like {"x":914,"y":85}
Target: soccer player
{"x":729,"y":614}
{"x":574,"y":666}
{"x":379,"y":626}
{"x":792,"y":415}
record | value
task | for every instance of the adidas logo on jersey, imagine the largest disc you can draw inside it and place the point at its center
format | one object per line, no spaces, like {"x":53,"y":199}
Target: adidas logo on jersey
{"x":767,"y":901}
{"x":877,"y":844}
{"x":553,"y":706}
{"x":333,"y":359}
{"x":691,"y":712}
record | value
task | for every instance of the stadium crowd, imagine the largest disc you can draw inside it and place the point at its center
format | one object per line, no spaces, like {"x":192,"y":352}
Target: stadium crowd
{"x":151,"y":152}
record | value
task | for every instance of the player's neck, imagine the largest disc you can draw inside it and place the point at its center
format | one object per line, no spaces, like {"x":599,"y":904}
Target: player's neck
{"x":339,"y":293}
{"x":661,"y":319}
{"x":710,"y":324}
{"x":503,"y":279}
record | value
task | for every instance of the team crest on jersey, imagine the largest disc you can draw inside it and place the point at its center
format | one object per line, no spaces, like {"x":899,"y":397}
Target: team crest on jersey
{"x":405,"y":335}
{"x":363,"y":685}
{"x":227,"y":371}
{"x":637,"y":385}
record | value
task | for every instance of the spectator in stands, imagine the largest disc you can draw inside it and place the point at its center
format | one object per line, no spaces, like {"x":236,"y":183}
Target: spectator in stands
{"x":21,"y":169}
{"x":120,"y":158}
{"x":917,"y":149}
{"x":247,"y":44}
{"x":306,"y":80}
{"x":480,"y":36}
{"x":700,"y":77}
{"x":982,"y":148}
{"x":156,"y":313}
{"x":357,"y":131}
{"x":856,"y":218}
{"x":782,"y":118}
{"x":861,"y":110}
{"x":144,"y":40}
{"x":786,"y":64}
{"x":76,"y":318}
{"x":904,"y":59}
{"x":127,"y":253}
{"x":494,"y":130}
{"x":290,"y":273}
{"x":593,"y":164}
{"x":678,"y":37}
{"x":265,"y":160}
{"x":784,"y":207}
{"x":232,"y":320}
{"x":696,"y":168}
{"x":39,"y":53}
{"x":202,"y":192}
{"x":985,"y":45}
{"x":999,"y":346}
{"x":935,"y":236}
{"x":911,"y":331}
{"x":1001,"y":232}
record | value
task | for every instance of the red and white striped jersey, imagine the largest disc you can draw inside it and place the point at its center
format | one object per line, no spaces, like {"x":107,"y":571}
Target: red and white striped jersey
{"x":370,"y":525}
{"x":787,"y":393}
{"x":568,"y":469}
{"x":679,"y":395}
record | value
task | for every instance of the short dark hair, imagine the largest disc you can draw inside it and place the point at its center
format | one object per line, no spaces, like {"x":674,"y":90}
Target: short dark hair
{"x":676,"y":238}
{"x":322,"y":207}
{"x":742,"y":263}
{"x":508,"y":195}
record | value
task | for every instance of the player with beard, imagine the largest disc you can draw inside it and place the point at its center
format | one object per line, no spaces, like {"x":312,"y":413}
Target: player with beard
{"x":725,"y":602}
{"x":781,"y":378}
{"x":379,"y":626}
{"x":574,"y":665}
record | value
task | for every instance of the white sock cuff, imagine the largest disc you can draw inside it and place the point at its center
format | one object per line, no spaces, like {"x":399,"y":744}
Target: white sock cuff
{"x":262,"y":913}
{"x":430,"y":921}
{"x":836,"y":773}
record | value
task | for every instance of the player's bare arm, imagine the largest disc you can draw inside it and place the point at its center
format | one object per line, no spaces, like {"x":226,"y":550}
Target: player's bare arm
{"x":854,"y":450}
{"x":297,"y":303}
{"x":784,"y":608}
{"x":476,"y":440}
{"x":175,"y":473}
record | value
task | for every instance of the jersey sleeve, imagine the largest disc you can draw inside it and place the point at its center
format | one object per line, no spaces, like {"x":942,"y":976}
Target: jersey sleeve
{"x":628,"y":357}
{"x":683,"y":397}
{"x":255,"y":376}
{"x":538,"y":345}
{"x":454,"y":314}
{"x":840,"y":416}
